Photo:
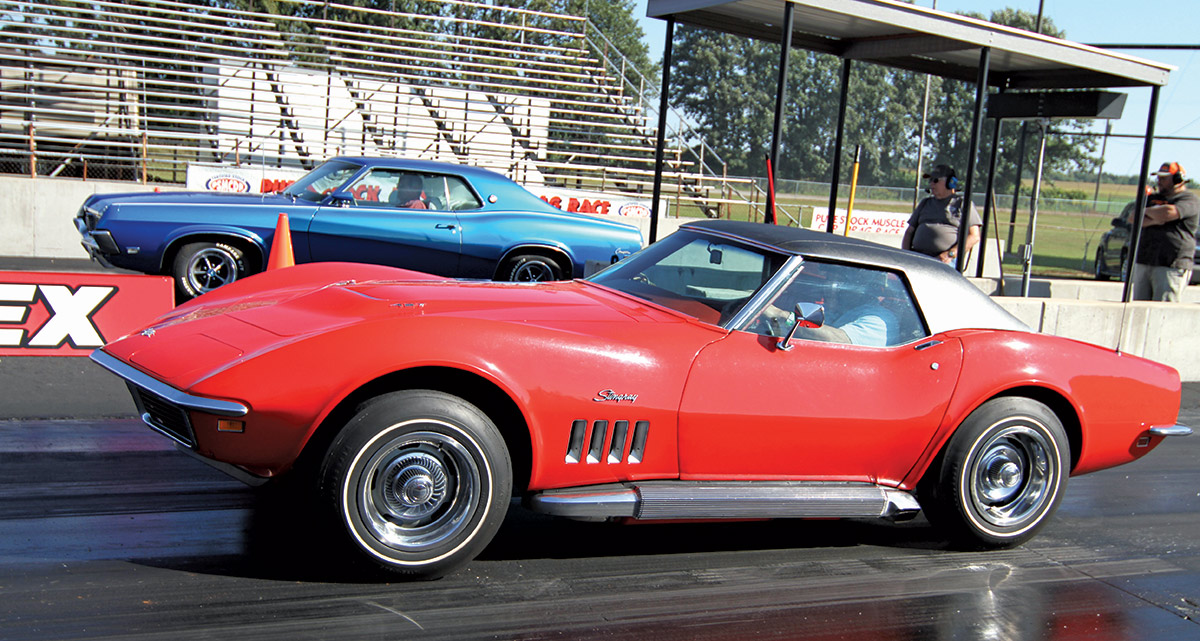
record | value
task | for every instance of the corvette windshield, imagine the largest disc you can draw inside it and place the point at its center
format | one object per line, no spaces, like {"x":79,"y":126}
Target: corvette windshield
{"x":708,"y":277}
{"x":322,"y":180}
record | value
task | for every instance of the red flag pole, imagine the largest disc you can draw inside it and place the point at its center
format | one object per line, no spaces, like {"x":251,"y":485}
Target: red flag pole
{"x":771,"y":215}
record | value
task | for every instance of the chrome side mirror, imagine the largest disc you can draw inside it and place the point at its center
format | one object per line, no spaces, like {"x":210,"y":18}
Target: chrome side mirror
{"x":810,"y":314}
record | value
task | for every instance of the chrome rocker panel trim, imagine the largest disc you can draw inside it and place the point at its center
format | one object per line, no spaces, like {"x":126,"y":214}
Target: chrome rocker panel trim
{"x":667,"y":500}
{"x":155,"y":386}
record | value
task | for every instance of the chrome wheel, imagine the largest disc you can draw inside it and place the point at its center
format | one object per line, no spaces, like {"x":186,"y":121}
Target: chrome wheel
{"x":210,"y":268}
{"x":419,"y":481}
{"x":1001,"y":475}
{"x":415,"y":490}
{"x":1012,"y":477}
{"x":202,"y":267}
{"x":527,"y":269}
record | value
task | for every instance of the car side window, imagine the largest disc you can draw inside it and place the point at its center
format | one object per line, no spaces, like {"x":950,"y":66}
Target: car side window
{"x":710,"y":279}
{"x":862,"y":306}
{"x":398,"y":188}
{"x":460,"y":196}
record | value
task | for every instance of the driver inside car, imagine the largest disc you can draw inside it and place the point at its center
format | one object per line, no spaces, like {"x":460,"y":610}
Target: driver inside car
{"x":852,"y":305}
{"x":409,"y":193}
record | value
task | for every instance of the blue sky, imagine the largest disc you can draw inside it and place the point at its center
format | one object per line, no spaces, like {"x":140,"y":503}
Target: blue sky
{"x":1106,"y":21}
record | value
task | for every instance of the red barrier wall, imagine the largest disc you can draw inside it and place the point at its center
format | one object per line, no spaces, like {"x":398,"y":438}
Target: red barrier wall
{"x":68,"y":314}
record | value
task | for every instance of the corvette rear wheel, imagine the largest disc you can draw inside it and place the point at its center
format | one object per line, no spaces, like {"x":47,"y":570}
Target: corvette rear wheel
{"x":1002,"y":476}
{"x":202,"y":267}
{"x":532,"y":268}
{"x":419,"y":481}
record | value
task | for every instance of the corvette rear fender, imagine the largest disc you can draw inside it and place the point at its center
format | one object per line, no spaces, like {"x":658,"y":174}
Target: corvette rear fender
{"x":977,"y":384}
{"x":1055,"y":400}
{"x":1064,"y":379}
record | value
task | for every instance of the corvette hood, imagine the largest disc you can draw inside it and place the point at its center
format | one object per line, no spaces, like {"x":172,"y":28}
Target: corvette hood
{"x":200,"y":338}
{"x":336,"y":305}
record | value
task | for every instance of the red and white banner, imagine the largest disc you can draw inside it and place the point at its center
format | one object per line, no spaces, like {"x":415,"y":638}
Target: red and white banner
{"x":244,"y":179}
{"x":594,"y":202}
{"x":65,"y":314}
{"x":866,"y":222}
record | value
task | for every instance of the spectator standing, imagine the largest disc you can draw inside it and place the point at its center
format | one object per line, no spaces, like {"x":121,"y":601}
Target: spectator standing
{"x":1168,"y":241}
{"x":934,"y":224}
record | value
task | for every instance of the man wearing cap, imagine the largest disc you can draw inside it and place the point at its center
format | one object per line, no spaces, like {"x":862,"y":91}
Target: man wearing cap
{"x":1164,"y":255}
{"x":933,"y":226}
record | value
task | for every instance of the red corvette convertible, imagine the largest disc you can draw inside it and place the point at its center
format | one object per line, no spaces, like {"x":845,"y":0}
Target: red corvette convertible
{"x":730,"y":371}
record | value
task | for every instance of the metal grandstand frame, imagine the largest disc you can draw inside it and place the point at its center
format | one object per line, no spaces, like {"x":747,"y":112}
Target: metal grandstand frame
{"x":137,"y":90}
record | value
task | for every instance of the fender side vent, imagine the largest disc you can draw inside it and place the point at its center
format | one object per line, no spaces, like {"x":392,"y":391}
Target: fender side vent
{"x":575,"y":445}
{"x":604,"y":445}
{"x":599,"y":436}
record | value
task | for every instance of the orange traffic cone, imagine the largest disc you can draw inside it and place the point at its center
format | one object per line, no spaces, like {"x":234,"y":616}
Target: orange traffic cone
{"x":281,"y":246}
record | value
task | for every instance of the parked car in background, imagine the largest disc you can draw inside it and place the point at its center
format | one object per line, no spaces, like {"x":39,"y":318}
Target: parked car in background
{"x":732,"y":370}
{"x":1112,"y":254}
{"x":443,"y":219}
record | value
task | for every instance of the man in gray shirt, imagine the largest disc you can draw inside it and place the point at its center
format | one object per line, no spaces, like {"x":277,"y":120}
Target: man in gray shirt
{"x":1164,"y":257}
{"x":933,"y":226}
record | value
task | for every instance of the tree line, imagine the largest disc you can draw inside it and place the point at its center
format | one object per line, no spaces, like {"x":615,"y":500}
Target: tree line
{"x":726,"y":85}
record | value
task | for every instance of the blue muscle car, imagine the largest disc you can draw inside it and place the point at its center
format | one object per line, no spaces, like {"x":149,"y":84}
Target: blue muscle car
{"x":449,"y":220}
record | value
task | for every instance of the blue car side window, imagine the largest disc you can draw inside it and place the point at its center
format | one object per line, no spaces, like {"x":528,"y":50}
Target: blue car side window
{"x":319,"y":182}
{"x":460,"y":196}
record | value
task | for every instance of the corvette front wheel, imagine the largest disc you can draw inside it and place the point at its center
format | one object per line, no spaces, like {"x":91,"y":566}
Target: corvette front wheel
{"x":419,"y":481}
{"x":1002,"y":476}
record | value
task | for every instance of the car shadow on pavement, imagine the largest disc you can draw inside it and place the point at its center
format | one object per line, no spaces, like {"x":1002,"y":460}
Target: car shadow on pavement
{"x":284,"y":537}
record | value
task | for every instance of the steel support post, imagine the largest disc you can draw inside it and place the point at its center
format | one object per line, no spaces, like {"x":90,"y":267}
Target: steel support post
{"x":661,"y":138}
{"x":985,"y":57}
{"x":837,"y":145}
{"x":987,"y":202}
{"x":785,"y":50}
{"x":1135,"y":237}
{"x":1031,"y":232}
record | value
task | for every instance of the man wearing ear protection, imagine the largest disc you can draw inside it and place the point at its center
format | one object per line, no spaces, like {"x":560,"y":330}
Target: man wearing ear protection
{"x":933,"y":226}
{"x":1164,"y":256}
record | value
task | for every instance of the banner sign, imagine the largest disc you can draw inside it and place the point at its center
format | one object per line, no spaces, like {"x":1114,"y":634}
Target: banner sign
{"x":244,"y":179}
{"x":71,"y":314}
{"x":248,"y":179}
{"x":594,"y":202}
{"x":866,"y":222}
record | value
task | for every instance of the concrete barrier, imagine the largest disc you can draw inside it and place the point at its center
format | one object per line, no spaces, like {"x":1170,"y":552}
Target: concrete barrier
{"x":38,"y":213}
{"x":1092,"y":311}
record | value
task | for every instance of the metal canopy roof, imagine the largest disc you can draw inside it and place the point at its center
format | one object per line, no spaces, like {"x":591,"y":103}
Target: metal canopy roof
{"x":906,"y":36}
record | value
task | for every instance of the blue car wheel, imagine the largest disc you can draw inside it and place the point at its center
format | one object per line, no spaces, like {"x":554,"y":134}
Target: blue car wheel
{"x":202,"y":267}
{"x":532,"y":268}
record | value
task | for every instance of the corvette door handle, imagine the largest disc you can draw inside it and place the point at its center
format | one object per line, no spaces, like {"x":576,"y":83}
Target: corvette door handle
{"x":446,"y":226}
{"x":927,"y":344}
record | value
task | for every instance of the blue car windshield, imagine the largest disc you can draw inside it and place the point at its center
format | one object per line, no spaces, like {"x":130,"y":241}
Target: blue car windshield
{"x":317,"y":183}
{"x":708,"y":277}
